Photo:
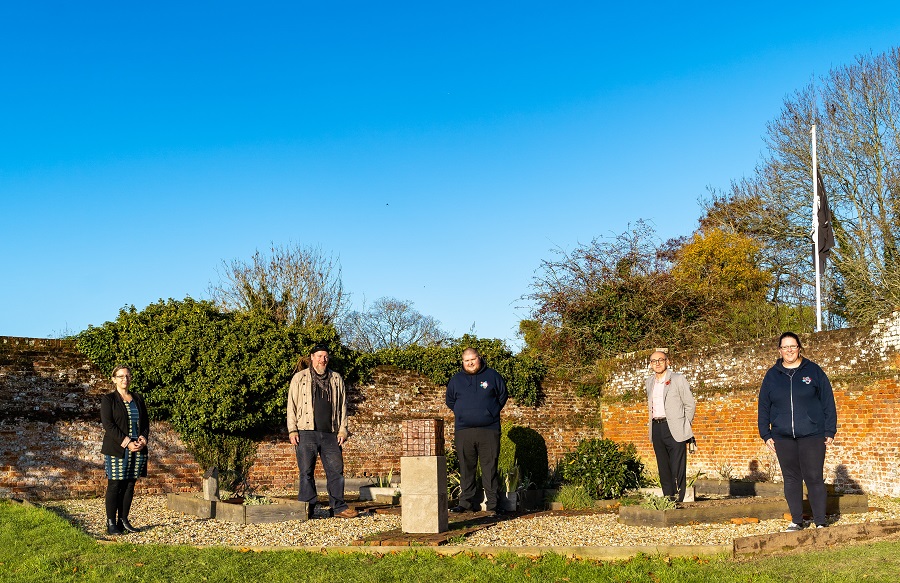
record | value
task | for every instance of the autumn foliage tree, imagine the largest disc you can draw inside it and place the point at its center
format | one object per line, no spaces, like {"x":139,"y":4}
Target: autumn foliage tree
{"x":634,"y":292}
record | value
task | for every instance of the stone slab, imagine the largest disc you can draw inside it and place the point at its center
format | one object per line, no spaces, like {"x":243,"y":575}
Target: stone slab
{"x":424,"y":513}
{"x":423,"y":474}
{"x":762,"y":508}
{"x":380,"y":494}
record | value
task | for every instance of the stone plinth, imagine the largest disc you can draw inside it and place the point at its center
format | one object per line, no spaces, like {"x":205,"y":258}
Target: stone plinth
{"x":424,"y":500}
{"x":423,"y":437}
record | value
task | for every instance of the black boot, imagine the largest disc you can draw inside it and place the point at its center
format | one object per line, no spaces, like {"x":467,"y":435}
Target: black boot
{"x":112,"y":527}
{"x":126,"y":526}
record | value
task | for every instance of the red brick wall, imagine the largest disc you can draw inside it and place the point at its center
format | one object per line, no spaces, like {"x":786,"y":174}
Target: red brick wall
{"x":50,"y":430}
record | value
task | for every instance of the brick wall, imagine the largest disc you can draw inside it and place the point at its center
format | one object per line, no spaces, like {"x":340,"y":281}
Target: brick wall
{"x":50,"y":430}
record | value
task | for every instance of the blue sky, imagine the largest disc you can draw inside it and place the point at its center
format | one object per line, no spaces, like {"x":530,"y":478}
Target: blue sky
{"x":440,"y":150}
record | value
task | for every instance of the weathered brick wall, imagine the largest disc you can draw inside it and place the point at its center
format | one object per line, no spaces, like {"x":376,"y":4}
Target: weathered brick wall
{"x":50,"y":427}
{"x":50,"y":430}
{"x":864,"y":368}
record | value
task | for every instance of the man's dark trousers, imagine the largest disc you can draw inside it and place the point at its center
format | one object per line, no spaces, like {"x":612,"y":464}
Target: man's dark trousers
{"x":311,"y":444}
{"x":671,"y":459}
{"x":476,"y":444}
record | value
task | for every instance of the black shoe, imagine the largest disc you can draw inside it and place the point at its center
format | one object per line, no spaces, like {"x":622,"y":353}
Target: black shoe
{"x":495,"y":513}
{"x":126,"y":526}
{"x":459,"y":509}
{"x":310,"y":511}
{"x":112,"y":527}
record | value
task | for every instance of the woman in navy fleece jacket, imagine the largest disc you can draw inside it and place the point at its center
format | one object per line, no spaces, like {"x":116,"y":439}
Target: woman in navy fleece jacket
{"x":798,"y":420}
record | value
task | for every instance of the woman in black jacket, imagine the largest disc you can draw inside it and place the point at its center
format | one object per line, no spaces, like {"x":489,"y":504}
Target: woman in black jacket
{"x":797,"y":421}
{"x":126,"y":429}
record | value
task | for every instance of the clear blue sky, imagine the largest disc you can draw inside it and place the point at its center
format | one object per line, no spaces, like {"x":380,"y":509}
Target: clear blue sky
{"x":441,"y":150}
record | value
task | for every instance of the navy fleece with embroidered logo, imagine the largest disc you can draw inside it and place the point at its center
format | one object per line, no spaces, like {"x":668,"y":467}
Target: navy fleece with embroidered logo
{"x":796,"y":403}
{"x":477,"y":399}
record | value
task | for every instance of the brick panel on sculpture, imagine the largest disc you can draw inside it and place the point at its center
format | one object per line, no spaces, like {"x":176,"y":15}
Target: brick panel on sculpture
{"x":422,"y":437}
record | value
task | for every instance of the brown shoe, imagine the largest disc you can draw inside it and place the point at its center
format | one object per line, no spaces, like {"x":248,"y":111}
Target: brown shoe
{"x":347,"y":513}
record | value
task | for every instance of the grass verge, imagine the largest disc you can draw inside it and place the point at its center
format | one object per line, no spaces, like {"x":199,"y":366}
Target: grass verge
{"x":38,"y":545}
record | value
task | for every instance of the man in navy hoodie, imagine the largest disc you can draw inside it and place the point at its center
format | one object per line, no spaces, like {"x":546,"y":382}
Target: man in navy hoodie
{"x":476,"y":395}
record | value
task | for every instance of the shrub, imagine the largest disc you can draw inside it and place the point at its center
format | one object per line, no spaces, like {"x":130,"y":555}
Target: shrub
{"x":209,"y":372}
{"x":523,"y":452}
{"x":573,"y":497}
{"x":232,"y":455}
{"x":523,"y":373}
{"x":604,"y":468}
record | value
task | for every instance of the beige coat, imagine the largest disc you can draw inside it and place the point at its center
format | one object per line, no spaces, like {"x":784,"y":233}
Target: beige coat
{"x":678,"y":403}
{"x":300,"y":408}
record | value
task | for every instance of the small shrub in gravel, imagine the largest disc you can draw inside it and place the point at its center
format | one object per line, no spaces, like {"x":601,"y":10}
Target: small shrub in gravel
{"x":604,"y":468}
{"x":573,"y":497}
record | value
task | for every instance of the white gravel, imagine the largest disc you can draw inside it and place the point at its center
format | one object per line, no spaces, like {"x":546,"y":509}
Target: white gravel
{"x":160,"y":525}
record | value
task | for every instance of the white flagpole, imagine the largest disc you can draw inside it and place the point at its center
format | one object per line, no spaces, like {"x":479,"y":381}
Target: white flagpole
{"x":815,"y":231}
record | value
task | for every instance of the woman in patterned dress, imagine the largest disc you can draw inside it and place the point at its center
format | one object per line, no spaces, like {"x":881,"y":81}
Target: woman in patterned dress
{"x":126,"y":428}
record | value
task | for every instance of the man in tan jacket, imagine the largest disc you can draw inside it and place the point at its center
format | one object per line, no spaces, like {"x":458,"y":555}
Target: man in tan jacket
{"x":317,"y":425}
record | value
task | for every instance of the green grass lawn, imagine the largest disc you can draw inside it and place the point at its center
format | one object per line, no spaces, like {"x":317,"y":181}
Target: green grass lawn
{"x":38,"y":545}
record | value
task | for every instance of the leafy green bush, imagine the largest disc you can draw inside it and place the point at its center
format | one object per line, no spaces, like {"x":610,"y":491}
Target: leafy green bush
{"x":523,"y":373}
{"x":603,"y":467}
{"x":523,"y":449}
{"x":209,"y":372}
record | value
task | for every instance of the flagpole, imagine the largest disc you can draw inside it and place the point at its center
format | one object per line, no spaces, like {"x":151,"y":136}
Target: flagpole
{"x":815,"y":218}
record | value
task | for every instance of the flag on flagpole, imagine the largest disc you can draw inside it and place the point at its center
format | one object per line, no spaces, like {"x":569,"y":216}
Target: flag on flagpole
{"x":823,"y":234}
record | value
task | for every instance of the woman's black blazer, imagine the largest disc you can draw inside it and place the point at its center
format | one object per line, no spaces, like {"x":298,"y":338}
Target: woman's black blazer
{"x":114,"y":416}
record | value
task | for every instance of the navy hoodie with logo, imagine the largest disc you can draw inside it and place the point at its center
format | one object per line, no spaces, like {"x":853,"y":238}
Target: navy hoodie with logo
{"x":796,"y":402}
{"x":477,"y":399}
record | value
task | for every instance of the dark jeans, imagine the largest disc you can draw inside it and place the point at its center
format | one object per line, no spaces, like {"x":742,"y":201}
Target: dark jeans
{"x":474,"y":445}
{"x":310,"y":445}
{"x":119,"y":494}
{"x":671,"y":459}
{"x":803,"y":460}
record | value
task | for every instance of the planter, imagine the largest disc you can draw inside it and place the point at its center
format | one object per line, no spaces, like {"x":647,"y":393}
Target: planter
{"x":710,"y":511}
{"x":510,"y":501}
{"x":379,"y":494}
{"x":190,"y":504}
{"x":742,"y":488}
{"x":689,"y":495}
{"x":532,"y":499}
{"x":279,"y":511}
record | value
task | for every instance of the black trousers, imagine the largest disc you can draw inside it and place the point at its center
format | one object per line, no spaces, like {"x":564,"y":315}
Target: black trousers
{"x":474,"y":445}
{"x":803,"y":460}
{"x":311,"y":445}
{"x":671,"y":459}
{"x":119,"y":494}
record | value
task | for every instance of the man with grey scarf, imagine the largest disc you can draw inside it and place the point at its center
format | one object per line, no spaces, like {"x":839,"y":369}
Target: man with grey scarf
{"x":317,"y":425}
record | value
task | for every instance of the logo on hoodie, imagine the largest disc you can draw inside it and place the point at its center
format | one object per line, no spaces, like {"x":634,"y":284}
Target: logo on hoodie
{"x":807,"y":380}
{"x":484,"y":384}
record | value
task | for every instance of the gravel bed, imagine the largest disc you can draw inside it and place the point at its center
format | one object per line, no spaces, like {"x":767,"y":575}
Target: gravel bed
{"x":159,"y":525}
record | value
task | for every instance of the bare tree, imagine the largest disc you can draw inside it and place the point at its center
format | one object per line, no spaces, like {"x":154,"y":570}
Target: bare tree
{"x":856,"y":109}
{"x":390,"y":323}
{"x":293,"y":284}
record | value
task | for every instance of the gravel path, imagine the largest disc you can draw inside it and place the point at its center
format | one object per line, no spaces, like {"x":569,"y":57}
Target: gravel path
{"x":159,"y":525}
